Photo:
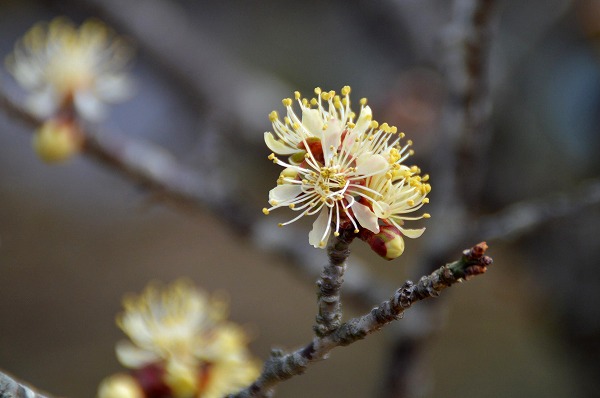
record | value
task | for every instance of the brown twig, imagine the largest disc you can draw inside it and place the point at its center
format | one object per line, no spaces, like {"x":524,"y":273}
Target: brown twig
{"x":282,"y":366}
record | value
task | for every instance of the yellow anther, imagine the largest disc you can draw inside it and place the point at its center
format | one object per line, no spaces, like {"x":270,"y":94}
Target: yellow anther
{"x":326,"y":96}
{"x":425,"y":178}
{"x":297,"y":95}
{"x":374,"y":124}
{"x":356,"y":231}
{"x":426,"y":215}
{"x":296,"y":126}
{"x":394,"y":129}
{"x":351,"y":125}
{"x":306,"y":156}
{"x":265,"y":211}
{"x":425,"y":200}
{"x":402,"y":135}
{"x":363,"y":101}
{"x":305,"y":102}
{"x":314,"y":102}
{"x":411,"y":152}
{"x":271,"y":156}
{"x":287,"y":120}
{"x":280,"y":225}
{"x":345,"y":101}
{"x":336,"y":233}
{"x":317,"y":90}
{"x":273,"y":202}
{"x":292,"y":205}
{"x":351,"y":115}
{"x":346,"y":90}
{"x":410,"y":202}
{"x":273,"y":116}
{"x":385,"y":127}
{"x":287,"y":102}
{"x":409,"y":142}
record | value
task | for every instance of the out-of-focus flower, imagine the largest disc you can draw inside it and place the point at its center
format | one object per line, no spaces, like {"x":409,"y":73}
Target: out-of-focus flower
{"x":181,"y":344}
{"x":57,"y":140}
{"x":350,"y":173}
{"x":64,"y":67}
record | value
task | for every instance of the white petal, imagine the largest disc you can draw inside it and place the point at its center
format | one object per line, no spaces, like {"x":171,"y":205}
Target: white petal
{"x":315,"y":236}
{"x":43,"y":103}
{"x":363,"y":121}
{"x":332,"y":138}
{"x":133,"y":357}
{"x":365,"y":217}
{"x":312,"y":121}
{"x":113,"y":88}
{"x":278,"y":146}
{"x":284,"y":192}
{"x":412,"y":233}
{"x":89,"y":106}
{"x":381,"y":209}
{"x":368,"y":164}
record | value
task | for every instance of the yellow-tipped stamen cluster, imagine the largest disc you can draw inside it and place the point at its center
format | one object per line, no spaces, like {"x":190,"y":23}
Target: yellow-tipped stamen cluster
{"x":62,"y":65}
{"x":342,"y":167}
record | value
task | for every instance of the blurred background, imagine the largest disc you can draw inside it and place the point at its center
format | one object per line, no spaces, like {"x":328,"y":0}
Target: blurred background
{"x":75,"y":238}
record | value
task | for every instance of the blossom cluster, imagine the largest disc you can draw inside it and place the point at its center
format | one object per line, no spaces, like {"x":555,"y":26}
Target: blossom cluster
{"x":69,"y":73}
{"x":348,"y":170}
{"x":181,"y":346}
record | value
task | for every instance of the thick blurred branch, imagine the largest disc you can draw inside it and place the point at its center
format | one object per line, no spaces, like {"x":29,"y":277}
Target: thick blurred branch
{"x":282,"y":366}
{"x":458,"y":166}
{"x":10,"y":388}
{"x":235,"y":93}
{"x":464,"y":139}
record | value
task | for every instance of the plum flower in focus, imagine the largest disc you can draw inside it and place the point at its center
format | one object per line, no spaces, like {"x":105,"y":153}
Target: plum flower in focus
{"x":181,"y":346}
{"x":64,"y":67}
{"x":345,"y":169}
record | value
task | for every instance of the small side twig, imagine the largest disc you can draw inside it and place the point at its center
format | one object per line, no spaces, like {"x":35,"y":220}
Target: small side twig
{"x":10,"y":388}
{"x":280,"y":366}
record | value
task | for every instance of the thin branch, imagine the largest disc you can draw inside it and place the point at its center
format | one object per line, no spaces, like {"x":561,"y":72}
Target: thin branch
{"x":523,"y":217}
{"x":10,"y":388}
{"x":282,"y":366}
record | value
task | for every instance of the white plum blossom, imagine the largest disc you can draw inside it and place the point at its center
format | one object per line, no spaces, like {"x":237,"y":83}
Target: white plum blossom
{"x":337,"y":167}
{"x":61,"y":64}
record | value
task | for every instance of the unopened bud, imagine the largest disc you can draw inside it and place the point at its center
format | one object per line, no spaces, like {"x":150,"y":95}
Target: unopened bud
{"x":120,"y":386}
{"x":388,"y":243}
{"x":56,"y":141}
{"x":182,"y":379}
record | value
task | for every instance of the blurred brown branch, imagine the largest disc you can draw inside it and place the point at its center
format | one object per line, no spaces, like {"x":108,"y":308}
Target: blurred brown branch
{"x":284,"y":366}
{"x":235,"y":93}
